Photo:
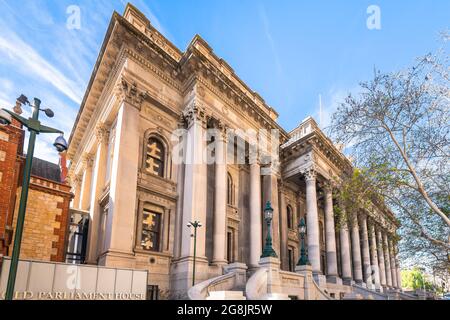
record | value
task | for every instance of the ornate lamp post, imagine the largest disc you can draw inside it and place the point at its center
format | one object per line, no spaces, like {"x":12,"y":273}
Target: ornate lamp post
{"x":268,"y":250}
{"x":303,"y":261}
{"x":195,"y":225}
{"x":35,"y":127}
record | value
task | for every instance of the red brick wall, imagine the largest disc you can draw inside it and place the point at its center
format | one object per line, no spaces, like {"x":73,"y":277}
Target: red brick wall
{"x":11,"y":145}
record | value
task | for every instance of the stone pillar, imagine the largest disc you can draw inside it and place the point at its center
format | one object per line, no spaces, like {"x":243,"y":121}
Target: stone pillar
{"x":380,"y":251}
{"x":374,"y":257}
{"x":345,"y":251}
{"x":270,"y":193}
{"x":255,"y":214}
{"x":393,"y":266}
{"x":330,"y":234}
{"x":87,"y":160}
{"x":283,"y":229}
{"x":98,"y":183}
{"x":220,"y":198}
{"x":120,"y":228}
{"x":367,"y":270}
{"x":387,"y":261}
{"x":399,"y":274}
{"x":312,"y":221}
{"x":195,"y":186}
{"x":76,"y":183}
{"x":356,"y":250}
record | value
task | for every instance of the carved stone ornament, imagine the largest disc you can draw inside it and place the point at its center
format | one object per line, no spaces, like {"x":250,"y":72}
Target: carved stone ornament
{"x":310,"y":173}
{"x":195,"y":114}
{"x":87,"y":160}
{"x":101,"y":133}
{"x":129,"y":92}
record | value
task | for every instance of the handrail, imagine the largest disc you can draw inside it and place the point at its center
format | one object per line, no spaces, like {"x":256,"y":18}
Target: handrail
{"x":201,"y":290}
{"x":365,"y":292}
{"x":256,"y":286}
{"x":325,"y":296}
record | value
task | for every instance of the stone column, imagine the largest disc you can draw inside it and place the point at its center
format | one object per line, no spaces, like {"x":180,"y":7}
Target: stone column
{"x":330,"y":234}
{"x":399,"y":274}
{"x":76,"y":183}
{"x":120,"y":228}
{"x":380,"y":251}
{"x":312,"y":221}
{"x":283,"y":229}
{"x":374,"y":256}
{"x":87,"y":160}
{"x":255,"y":213}
{"x":220,"y":198}
{"x":387,"y":260}
{"x":365,"y":252}
{"x":270,"y":193}
{"x":345,"y":251}
{"x":195,"y":184}
{"x":356,"y":250}
{"x":98,"y":183}
{"x":393,"y":266}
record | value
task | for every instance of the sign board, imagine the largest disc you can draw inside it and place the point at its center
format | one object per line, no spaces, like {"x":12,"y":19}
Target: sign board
{"x":40,"y":280}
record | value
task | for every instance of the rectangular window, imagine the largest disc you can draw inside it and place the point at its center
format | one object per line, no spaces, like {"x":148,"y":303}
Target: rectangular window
{"x":151,"y":225}
{"x":230,"y":246}
{"x":291,"y":260}
{"x":152,"y":292}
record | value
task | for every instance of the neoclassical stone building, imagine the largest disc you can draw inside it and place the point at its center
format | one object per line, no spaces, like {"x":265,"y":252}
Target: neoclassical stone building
{"x":140,"y":198}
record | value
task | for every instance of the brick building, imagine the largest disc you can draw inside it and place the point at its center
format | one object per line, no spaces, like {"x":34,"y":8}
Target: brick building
{"x":46,"y":220}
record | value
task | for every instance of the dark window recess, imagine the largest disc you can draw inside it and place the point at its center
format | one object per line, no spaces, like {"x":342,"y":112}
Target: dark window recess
{"x":152,"y":292}
{"x":78,"y":237}
{"x":230,"y":247}
{"x":291,"y":260}
{"x":290,"y":218}
{"x":151,"y":222}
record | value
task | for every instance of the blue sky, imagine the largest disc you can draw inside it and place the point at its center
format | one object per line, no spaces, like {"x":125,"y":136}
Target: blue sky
{"x":289,"y":51}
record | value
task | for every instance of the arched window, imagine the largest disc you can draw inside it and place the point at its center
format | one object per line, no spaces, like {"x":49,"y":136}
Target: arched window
{"x":155,"y":156}
{"x":230,"y":190}
{"x":290,"y":217}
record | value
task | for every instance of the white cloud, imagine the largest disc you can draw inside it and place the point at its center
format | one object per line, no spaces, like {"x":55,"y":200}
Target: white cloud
{"x":13,"y":48}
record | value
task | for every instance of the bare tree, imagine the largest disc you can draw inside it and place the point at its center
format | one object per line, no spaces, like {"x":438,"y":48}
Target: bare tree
{"x":397,"y":131}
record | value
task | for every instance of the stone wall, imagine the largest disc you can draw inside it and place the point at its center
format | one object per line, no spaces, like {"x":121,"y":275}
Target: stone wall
{"x":11,"y":141}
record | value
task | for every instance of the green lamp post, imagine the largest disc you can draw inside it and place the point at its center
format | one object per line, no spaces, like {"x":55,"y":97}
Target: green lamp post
{"x":268,"y":216}
{"x":195,"y":225}
{"x":34,"y":127}
{"x":303,"y":261}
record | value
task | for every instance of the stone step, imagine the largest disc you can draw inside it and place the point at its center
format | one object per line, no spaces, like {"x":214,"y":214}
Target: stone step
{"x":226,"y":295}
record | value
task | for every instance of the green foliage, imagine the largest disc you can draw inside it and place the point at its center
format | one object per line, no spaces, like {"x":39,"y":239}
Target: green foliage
{"x":415,"y":279}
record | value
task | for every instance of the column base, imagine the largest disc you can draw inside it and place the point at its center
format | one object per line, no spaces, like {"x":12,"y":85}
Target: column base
{"x":334,"y":279}
{"x":347,"y":281}
{"x":219,"y":263}
{"x":360,"y":283}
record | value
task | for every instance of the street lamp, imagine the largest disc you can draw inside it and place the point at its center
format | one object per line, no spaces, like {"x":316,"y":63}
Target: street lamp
{"x":35,"y":127}
{"x":195,"y":225}
{"x":268,"y":250}
{"x":303,"y":261}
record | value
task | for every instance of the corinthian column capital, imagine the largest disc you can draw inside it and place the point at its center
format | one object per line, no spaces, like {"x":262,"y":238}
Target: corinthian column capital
{"x":310,"y":174}
{"x":195,"y":114}
{"x":87,"y":159}
{"x":129,"y":92}
{"x":101,"y":132}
